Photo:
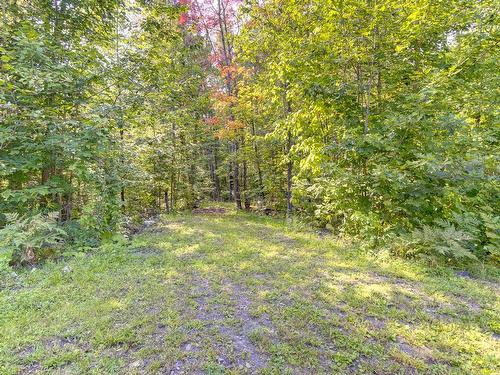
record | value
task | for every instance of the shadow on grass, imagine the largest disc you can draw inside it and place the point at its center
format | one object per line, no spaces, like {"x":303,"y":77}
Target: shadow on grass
{"x":238,"y":293}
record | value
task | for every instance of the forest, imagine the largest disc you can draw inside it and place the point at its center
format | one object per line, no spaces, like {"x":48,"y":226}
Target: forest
{"x":135,"y":133}
{"x":376,"y":119}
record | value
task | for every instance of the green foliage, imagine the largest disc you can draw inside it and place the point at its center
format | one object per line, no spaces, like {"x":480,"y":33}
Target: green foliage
{"x":492,"y":231}
{"x":24,"y":239}
{"x":376,"y":119}
{"x":392,"y":112}
{"x":98,"y":113}
{"x":442,"y":241}
{"x":55,"y":145}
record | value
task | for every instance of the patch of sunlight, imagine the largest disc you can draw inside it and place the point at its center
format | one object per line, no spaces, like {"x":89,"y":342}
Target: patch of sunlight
{"x":464,"y":337}
{"x":183,"y":230}
{"x":397,"y":328}
{"x":442,"y":298}
{"x":187,"y":250}
{"x":403,"y":357}
{"x":458,"y":337}
{"x":164,"y":245}
{"x":258,"y":244}
{"x":306,"y":253}
{"x":331,"y":261}
{"x":114,"y":304}
{"x":272,"y":251}
{"x":174,"y":225}
{"x":329,"y":298}
{"x":246,"y":264}
{"x":368,"y":290}
{"x":332,"y":288}
{"x":178,"y":226}
{"x":349,"y":278}
{"x":205,"y":268}
{"x":171,"y":275}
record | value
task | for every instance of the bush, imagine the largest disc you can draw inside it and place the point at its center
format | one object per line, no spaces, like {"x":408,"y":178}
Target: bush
{"x":79,"y":237}
{"x":492,"y":232}
{"x":442,"y":242}
{"x":24,"y":239}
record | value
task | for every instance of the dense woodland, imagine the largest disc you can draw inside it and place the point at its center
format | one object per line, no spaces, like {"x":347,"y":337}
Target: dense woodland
{"x":375,"y":119}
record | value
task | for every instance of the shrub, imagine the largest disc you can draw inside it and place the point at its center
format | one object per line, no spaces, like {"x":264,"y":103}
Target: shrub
{"x":434,"y":243}
{"x":492,"y":232}
{"x":25,"y":238}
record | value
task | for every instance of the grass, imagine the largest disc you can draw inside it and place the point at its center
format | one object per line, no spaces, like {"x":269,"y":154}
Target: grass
{"x":238,"y":293}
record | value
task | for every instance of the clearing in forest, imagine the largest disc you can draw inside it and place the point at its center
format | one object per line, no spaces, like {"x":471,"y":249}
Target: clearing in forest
{"x":234,"y":293}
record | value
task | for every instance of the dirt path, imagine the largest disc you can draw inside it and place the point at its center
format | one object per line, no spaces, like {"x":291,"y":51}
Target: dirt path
{"x":219,"y":293}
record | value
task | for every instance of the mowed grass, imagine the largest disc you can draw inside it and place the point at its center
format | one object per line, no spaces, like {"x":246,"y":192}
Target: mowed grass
{"x":237,"y":293}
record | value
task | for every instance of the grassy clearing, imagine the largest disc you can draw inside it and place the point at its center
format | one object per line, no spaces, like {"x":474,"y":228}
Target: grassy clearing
{"x":237,"y":293}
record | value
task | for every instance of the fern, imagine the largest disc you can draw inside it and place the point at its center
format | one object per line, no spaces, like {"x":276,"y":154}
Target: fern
{"x":443,"y":242}
{"x":24,"y":236}
{"x":492,"y":232}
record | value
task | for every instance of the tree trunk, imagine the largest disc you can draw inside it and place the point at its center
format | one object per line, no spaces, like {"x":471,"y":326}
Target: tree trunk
{"x":191,"y":180}
{"x":245,"y":186}
{"x":289,"y":167}
{"x":287,"y":110}
{"x":216,"y":177}
{"x":257,"y":165}
{"x":66,"y":206}
{"x":172,"y":202}
{"x":230,"y":181}
{"x":122,"y":160}
{"x":236,"y":180}
{"x":159,"y":199}
{"x":212,"y":166}
{"x":172,"y":174}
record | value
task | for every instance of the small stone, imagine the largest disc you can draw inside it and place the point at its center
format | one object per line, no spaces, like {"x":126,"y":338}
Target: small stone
{"x":247,"y":365}
{"x":188,"y":347}
{"x":66,"y":269}
{"x":136,"y":364}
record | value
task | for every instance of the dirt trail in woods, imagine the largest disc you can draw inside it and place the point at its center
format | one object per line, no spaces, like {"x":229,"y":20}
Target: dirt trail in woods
{"x":215,"y":292}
